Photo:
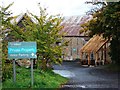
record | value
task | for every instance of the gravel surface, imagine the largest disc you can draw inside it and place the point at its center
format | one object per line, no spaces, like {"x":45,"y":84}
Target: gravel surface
{"x":90,"y":78}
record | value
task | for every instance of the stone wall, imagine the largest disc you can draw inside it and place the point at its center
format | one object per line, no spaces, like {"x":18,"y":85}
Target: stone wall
{"x":72,"y":50}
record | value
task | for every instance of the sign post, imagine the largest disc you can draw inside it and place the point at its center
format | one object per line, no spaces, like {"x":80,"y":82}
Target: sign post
{"x":14,"y":71}
{"x":21,"y":50}
{"x":32,"y":82}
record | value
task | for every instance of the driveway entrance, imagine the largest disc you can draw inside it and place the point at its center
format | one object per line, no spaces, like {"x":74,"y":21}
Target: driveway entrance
{"x":87,"y":77}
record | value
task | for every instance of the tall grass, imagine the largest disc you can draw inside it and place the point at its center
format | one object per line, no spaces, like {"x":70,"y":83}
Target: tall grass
{"x":42,"y":79}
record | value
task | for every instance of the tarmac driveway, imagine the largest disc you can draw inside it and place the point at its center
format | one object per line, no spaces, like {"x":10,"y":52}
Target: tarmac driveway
{"x":93,"y":78}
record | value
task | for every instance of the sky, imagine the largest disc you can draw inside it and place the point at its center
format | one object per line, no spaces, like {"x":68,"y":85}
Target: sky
{"x":62,"y":7}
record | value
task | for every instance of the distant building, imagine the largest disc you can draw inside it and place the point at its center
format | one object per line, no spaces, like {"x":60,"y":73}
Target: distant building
{"x":74,"y":40}
{"x":18,"y":20}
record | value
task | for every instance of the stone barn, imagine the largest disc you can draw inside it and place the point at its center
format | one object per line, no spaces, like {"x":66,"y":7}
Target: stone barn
{"x":74,"y":40}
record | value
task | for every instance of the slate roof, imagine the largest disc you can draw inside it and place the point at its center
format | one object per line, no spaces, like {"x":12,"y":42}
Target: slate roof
{"x":18,"y":18}
{"x":72,"y":25}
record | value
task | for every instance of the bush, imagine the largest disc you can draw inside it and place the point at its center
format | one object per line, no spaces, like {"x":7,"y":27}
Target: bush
{"x":7,"y":71}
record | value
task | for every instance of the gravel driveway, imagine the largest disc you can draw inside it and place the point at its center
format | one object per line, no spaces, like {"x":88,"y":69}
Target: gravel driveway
{"x":90,"y":78}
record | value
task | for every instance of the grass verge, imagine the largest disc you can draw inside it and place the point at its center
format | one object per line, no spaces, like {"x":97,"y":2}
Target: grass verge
{"x":113,"y":67}
{"x":42,"y":79}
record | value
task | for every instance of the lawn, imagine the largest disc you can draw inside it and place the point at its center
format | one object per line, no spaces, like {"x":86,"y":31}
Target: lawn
{"x":113,"y":67}
{"x":42,"y":79}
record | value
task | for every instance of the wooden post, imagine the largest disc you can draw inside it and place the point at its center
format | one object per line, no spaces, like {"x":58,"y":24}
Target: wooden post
{"x":81,"y":55}
{"x":105,"y":53}
{"x":102,"y":54}
{"x":88,"y":59}
{"x":96,"y":58}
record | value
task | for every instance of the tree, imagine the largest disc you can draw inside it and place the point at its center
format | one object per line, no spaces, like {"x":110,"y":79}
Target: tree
{"x":4,"y":23}
{"x":4,"y":19}
{"x":106,"y":21}
{"x":45,"y":31}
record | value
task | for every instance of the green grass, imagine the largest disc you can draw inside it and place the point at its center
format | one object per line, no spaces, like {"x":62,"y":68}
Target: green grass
{"x":113,"y":67}
{"x":42,"y":79}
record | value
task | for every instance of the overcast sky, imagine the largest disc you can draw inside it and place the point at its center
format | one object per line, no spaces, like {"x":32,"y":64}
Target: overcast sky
{"x":63,"y":7}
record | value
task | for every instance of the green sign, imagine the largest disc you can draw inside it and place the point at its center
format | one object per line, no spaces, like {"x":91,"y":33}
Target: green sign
{"x":74,"y":49}
{"x":20,"y":50}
